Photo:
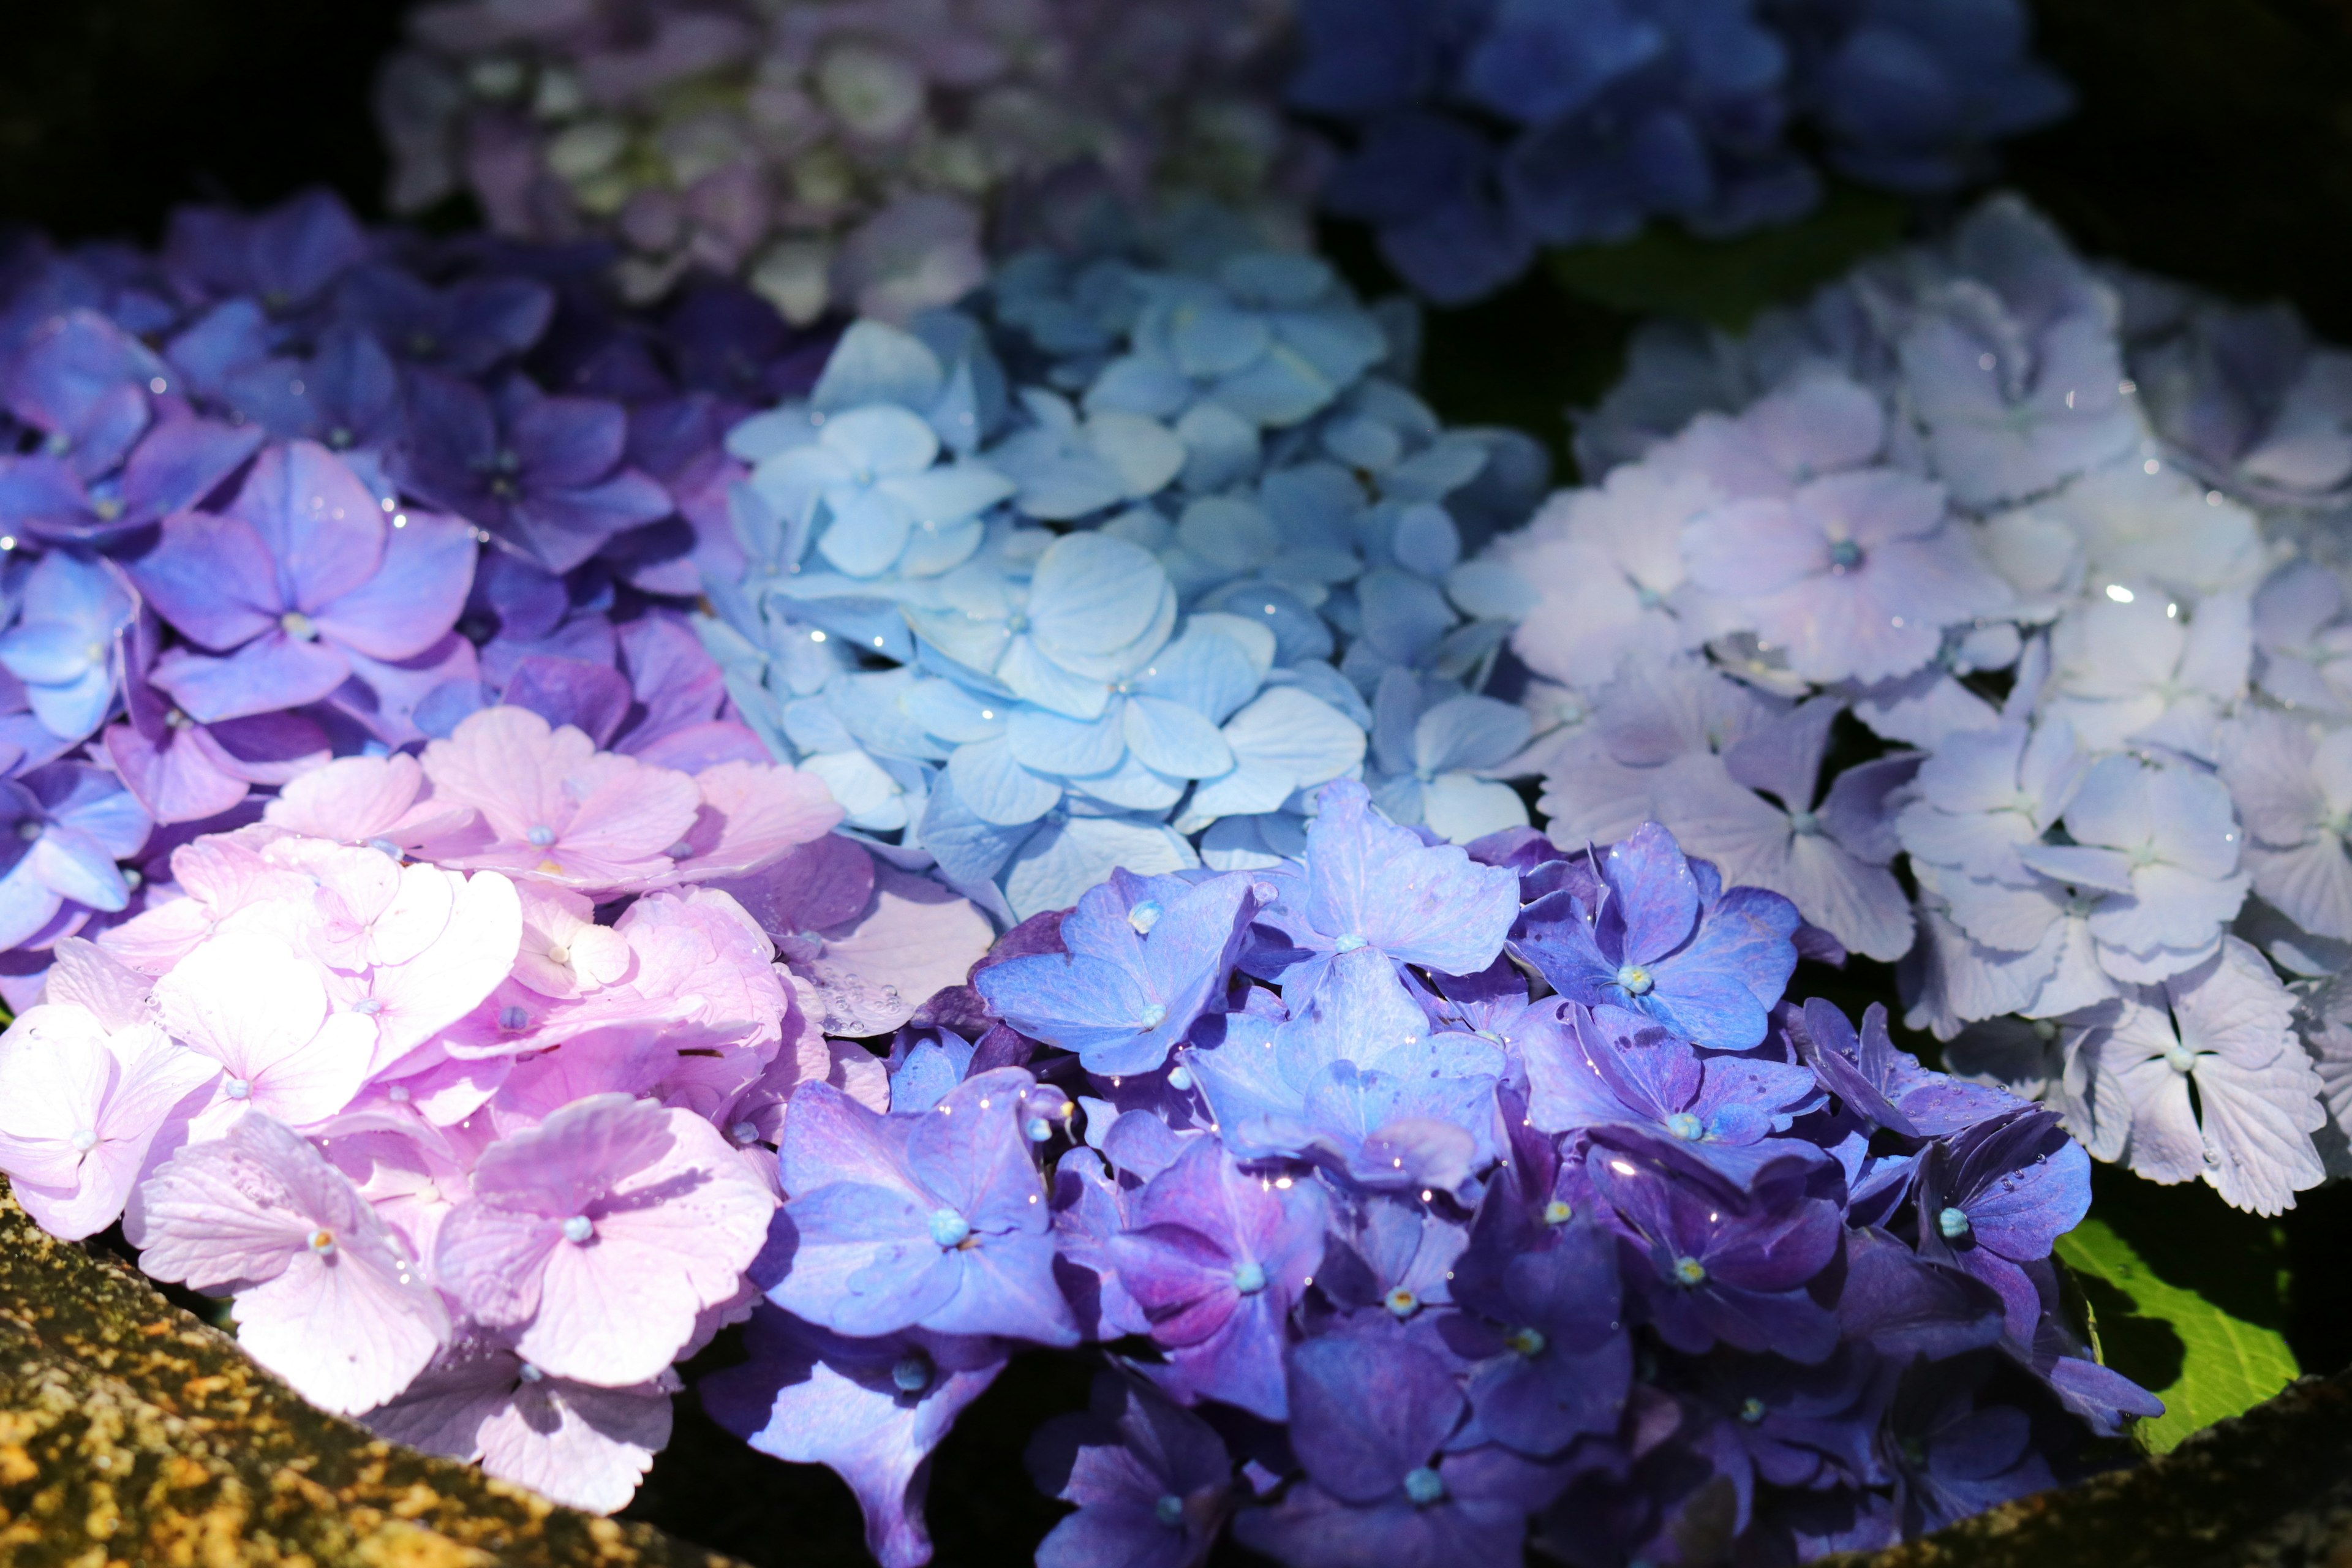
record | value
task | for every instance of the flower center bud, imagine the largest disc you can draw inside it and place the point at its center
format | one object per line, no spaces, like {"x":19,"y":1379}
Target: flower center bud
{"x":2180,"y":1057}
{"x":949,"y":1228}
{"x":1687,"y":1126}
{"x":84,"y":1139}
{"x":1249,"y":1279}
{"x":528,"y":1373}
{"x":1804,"y":825}
{"x":541,"y":835}
{"x":237,"y":1087}
{"x":744,"y":1132}
{"x":1751,"y":1410}
{"x":1527,"y":1342}
{"x":578,"y":1229}
{"x":912,"y":1372}
{"x":299,"y":626}
{"x":367,"y":1006}
{"x":1180,"y":1079}
{"x":1169,"y":1510}
{"x":1144,"y":916}
{"x":1348,"y":943}
{"x":398,"y":1094}
{"x":1039,"y":1130}
{"x":29,"y":829}
{"x":1424,"y":1486}
{"x":1401,"y":1302}
{"x":1844,"y":555}
{"x":1634,"y":980}
{"x":1953,"y":1223}
{"x":512,"y":1016}
{"x":1558,"y":1212}
{"x":1154,"y":1016}
{"x":322,"y":1242}
{"x":1690,"y":1271}
{"x":559,"y":954}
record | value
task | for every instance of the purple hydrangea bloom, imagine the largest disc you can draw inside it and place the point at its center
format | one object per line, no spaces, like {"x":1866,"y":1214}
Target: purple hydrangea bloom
{"x":67,"y":825}
{"x":1555,"y":1360}
{"x":64,"y":646}
{"x":1371,"y":883}
{"x":2000,"y":1195}
{"x":935,"y":1221}
{"x":1370,"y":1419}
{"x":1953,"y":1455}
{"x":1719,"y":1263}
{"x":304,"y":583}
{"x":1143,"y":958}
{"x":1884,"y":1085}
{"x":1152,"y":1482}
{"x":871,"y":1408}
{"x":1668,"y":940}
{"x":545,"y":475}
{"x":1217,"y":1259}
{"x":1610,"y":1065}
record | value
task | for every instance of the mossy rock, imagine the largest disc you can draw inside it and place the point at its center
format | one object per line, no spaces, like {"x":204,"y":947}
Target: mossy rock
{"x":132,"y":1434}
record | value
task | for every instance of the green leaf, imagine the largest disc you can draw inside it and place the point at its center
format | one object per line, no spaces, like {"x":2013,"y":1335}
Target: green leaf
{"x":2218,"y":1365}
{"x":1666,"y":269}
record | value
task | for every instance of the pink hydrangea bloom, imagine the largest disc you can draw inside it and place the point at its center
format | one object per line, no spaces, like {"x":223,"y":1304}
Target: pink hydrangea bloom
{"x":327,"y":1296}
{"x":370,"y":800}
{"x":559,"y":810}
{"x":249,"y":1002}
{"x":575,"y":1442}
{"x":602,"y":1235}
{"x":751,"y":814}
{"x":82,"y":1098}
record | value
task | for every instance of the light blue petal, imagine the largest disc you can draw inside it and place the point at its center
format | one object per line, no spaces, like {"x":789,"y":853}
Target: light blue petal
{"x":1433,"y":474}
{"x":1363,"y":443}
{"x":1254,"y":843}
{"x":1061,"y":862}
{"x":1281,"y":388}
{"x":1230,"y":532}
{"x":1463,"y":809}
{"x":1276,"y":277}
{"x":764,"y":436}
{"x":76,"y":708}
{"x":1219,"y":447}
{"x":1470,"y":732}
{"x":1397,"y":704}
{"x":1321,"y":680}
{"x":1094,"y":596}
{"x":1033,"y":676}
{"x":1207,"y":340}
{"x":1490,"y":589}
{"x":866,"y":533}
{"x":1425,"y":541}
{"x":871,"y":705}
{"x":1139,"y":385}
{"x":1404,"y":616}
{"x":1215,"y":666}
{"x":948,"y":495}
{"x":1300,"y":633}
{"x":1315,"y":503}
{"x":1144,"y":453}
{"x":74,"y":865}
{"x":878,"y":364}
{"x":975,"y":642}
{"x":996,"y":788}
{"x":1131,"y":786}
{"x":1175,"y":739}
{"x":952,"y":712}
{"x":1283,"y":742}
{"x":881,"y":439}
{"x":932,"y":551}
{"x":1341,"y":343}
{"x":1051,"y":744}
{"x":970,"y":852}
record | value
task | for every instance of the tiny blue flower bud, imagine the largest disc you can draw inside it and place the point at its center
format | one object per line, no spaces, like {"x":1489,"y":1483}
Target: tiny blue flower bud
{"x":1424,"y":1486}
{"x":1687,"y":1126}
{"x":1558,"y":1212}
{"x":1348,"y":943}
{"x":578,"y":1229}
{"x":949,"y":1228}
{"x":541,"y":835}
{"x":1527,"y":1342}
{"x":911,"y":1374}
{"x":1249,"y":1279}
{"x":1180,"y":1079}
{"x":1690,"y":1271}
{"x":1634,"y":980}
{"x":1154,"y":1016}
{"x":1145,"y":915}
{"x":1169,"y":1510}
{"x":1953,"y":1223}
{"x":1751,"y":1410}
{"x":1401,"y":1302}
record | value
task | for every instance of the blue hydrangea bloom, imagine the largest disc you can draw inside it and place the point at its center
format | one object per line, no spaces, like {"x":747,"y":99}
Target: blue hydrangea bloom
{"x":1480,"y":129}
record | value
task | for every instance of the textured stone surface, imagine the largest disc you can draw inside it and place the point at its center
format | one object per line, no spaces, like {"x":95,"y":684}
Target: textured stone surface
{"x":132,"y":1434}
{"x":2272,"y":1489}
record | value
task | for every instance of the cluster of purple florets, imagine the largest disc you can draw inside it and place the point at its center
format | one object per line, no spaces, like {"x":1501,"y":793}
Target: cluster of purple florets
{"x":289,"y":489}
{"x":1419,"y":1198}
{"x":1480,"y":131}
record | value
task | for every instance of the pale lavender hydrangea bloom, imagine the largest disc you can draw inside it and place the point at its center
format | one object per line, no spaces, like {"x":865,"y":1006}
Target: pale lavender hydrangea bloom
{"x":2221,"y":1028}
{"x":327,"y":1295}
{"x":600,"y":1236}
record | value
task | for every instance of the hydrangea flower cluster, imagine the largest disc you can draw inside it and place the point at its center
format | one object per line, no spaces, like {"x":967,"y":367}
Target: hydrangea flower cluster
{"x":1926,"y":572}
{"x":1424,"y":1198}
{"x":861,"y":155}
{"x":1479,"y":132}
{"x":477,"y":1157}
{"x":289,"y":490}
{"x":1112,"y":567}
